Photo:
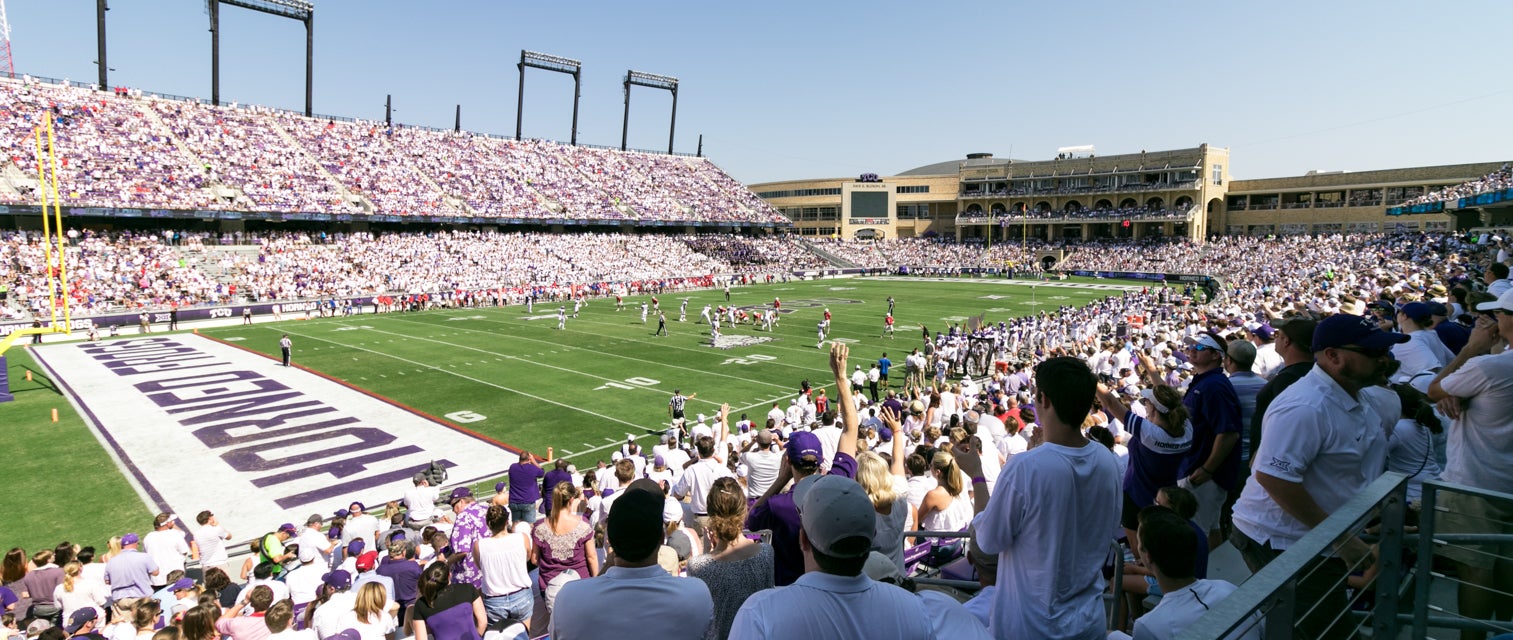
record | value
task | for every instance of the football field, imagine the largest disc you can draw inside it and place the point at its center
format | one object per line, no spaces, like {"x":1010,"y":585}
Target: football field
{"x":503,"y":373}
{"x":513,"y":376}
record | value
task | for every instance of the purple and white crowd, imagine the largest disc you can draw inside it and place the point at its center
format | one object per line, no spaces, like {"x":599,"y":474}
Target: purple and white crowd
{"x":124,"y":149}
{"x":1166,"y":420}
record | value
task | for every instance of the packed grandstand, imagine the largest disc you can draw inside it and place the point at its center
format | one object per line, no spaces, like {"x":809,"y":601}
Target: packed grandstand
{"x":945,"y":456}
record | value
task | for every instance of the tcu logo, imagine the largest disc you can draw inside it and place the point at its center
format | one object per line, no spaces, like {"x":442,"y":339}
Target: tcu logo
{"x":220,"y":313}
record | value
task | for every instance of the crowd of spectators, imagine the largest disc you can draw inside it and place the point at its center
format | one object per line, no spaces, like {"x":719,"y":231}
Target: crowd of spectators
{"x":109,"y":151}
{"x":123,"y":149}
{"x":1117,"y":213}
{"x":105,"y":272}
{"x":1186,"y":393}
{"x":1495,"y":181}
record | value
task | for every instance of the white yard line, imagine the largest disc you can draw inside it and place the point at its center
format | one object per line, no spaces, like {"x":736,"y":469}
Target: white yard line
{"x":471,"y":379}
{"x":701,"y":372}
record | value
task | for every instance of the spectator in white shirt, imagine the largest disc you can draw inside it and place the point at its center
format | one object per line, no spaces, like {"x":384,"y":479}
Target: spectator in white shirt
{"x":1166,"y":547}
{"x":210,"y":542}
{"x":166,"y":546}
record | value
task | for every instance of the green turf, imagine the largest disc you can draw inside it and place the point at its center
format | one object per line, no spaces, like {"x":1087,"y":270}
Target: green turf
{"x":580,"y":390}
{"x":583,"y":389}
{"x":63,"y":485}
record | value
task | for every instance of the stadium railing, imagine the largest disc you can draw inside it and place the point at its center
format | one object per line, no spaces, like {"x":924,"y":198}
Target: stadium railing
{"x":1405,"y":583}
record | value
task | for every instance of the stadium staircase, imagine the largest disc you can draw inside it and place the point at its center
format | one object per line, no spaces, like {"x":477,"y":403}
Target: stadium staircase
{"x":362,"y":201}
{"x":446,"y":200}
{"x":14,"y":182}
{"x":826,"y":255}
{"x":215,"y":187}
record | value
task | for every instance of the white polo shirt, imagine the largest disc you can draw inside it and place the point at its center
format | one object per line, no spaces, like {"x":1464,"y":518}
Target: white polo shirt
{"x":696,"y":481}
{"x":1315,"y":434}
{"x":1179,"y":609}
{"x":1479,"y":443}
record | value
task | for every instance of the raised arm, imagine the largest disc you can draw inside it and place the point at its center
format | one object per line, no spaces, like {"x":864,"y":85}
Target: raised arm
{"x":838,"y":353}
{"x":890,"y":420}
{"x":1111,"y":402}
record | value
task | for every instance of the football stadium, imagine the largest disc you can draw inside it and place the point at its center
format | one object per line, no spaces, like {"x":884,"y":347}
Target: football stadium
{"x":268,"y":372}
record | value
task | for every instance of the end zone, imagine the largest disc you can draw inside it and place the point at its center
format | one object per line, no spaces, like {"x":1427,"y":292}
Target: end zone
{"x":197,"y":424}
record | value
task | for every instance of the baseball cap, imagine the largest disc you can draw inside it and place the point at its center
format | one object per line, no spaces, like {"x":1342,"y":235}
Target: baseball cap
{"x":836,"y":515}
{"x":1503,"y":302}
{"x":881,"y":568}
{"x":345,"y":634}
{"x":130,"y":538}
{"x":367,"y":561}
{"x":287,"y":527}
{"x":802,"y":445}
{"x":418,"y":477}
{"x":1418,"y":312}
{"x":1266,"y":331}
{"x":356,"y":546}
{"x":1438,"y":308}
{"x":315,"y":518}
{"x":80,"y":618}
{"x":182,"y":584}
{"x":1150,"y":398}
{"x":1208,"y":340}
{"x":338,"y":578}
{"x":634,"y":525}
{"x":681,"y":546}
{"x":342,"y":513}
{"x":37,"y":627}
{"x":458,"y":494}
{"x":499,"y":486}
{"x":1344,"y":330}
{"x":659,"y":461}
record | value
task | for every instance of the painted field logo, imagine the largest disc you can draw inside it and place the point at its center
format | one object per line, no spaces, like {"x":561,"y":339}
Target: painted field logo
{"x":731,"y":342}
{"x":198,"y":424}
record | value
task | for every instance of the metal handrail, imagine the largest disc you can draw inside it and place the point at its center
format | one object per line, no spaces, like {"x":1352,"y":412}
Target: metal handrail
{"x":1272,"y":589}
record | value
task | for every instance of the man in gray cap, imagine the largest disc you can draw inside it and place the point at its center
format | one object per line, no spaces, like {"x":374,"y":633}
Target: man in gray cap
{"x":834,"y":598}
{"x":635,"y":592}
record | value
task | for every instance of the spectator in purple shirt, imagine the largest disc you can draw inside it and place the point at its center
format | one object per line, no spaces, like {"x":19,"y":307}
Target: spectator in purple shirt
{"x":776,"y":511}
{"x":130,"y":572}
{"x":524,"y":490}
{"x":447,"y":610}
{"x":471,"y":526}
{"x":400,"y":566}
{"x":558,"y":474}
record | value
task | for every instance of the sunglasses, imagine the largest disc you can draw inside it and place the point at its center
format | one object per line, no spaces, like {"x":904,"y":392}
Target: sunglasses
{"x":1203,"y":347}
{"x":1369,"y":353}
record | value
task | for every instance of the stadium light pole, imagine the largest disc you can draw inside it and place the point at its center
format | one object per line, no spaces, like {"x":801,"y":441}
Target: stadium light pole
{"x":653,"y":81}
{"x":301,"y":10}
{"x":100,"y":9}
{"x":548,"y":62}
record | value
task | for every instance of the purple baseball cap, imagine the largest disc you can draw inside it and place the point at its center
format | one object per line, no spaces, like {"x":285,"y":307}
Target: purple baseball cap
{"x":130,"y":538}
{"x":288,"y":527}
{"x":338,"y":578}
{"x":804,"y":444}
{"x":458,"y":494}
{"x":1343,"y":330}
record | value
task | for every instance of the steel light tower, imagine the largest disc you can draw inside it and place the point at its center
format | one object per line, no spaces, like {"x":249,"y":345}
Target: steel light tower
{"x":653,"y":81}
{"x":300,"y":10}
{"x":549,"y":62}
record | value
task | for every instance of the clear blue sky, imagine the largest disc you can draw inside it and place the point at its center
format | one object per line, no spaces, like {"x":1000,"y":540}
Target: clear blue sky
{"x":788,"y":90}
